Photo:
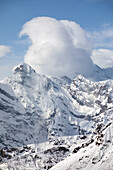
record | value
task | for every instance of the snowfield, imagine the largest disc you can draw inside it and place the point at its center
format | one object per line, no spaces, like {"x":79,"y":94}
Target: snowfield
{"x":56,"y":123}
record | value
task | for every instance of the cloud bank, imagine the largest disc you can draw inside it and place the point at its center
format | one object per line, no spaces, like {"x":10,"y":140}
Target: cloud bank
{"x":4,"y":50}
{"x":58,"y":47}
{"x":103,"y":57}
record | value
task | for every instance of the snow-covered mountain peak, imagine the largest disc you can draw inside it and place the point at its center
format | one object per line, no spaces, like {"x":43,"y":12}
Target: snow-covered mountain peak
{"x":22,"y":73}
{"x":80,"y":78}
{"x":23,"y":69}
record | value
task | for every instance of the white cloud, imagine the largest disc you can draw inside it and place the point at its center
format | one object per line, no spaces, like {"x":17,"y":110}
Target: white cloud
{"x":102,"y":38}
{"x":4,"y":50}
{"x":58,"y":47}
{"x":103,"y":57}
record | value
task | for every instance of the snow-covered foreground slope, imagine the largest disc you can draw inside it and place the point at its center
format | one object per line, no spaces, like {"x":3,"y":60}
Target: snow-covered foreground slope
{"x":96,"y":155}
{"x":44,"y":120}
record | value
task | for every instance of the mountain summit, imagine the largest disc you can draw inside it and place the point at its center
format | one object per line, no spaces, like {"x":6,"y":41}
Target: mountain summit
{"x":23,"y":68}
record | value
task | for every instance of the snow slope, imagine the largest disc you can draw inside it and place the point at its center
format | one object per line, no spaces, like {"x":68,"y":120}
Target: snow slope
{"x":95,"y":156}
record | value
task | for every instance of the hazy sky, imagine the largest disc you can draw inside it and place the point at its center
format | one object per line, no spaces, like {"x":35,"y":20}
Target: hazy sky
{"x":94,"y":16}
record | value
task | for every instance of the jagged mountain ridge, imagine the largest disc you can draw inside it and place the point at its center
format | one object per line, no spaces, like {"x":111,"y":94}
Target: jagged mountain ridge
{"x":36,"y":109}
{"x":35,"y":98}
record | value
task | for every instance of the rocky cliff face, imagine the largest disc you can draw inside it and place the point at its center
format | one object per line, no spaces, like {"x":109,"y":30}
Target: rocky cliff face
{"x":44,"y":120}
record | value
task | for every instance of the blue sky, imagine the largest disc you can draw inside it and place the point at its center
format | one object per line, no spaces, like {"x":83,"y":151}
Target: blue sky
{"x":92,"y":15}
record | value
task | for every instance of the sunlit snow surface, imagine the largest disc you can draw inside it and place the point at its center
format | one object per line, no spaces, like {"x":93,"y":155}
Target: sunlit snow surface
{"x":51,"y":123}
